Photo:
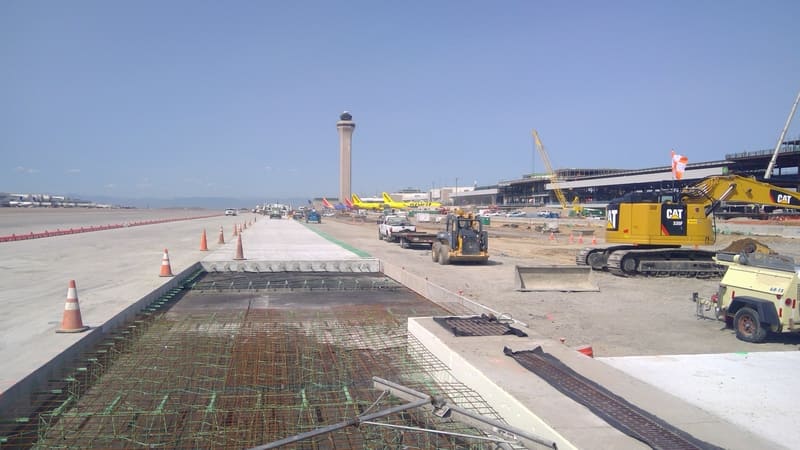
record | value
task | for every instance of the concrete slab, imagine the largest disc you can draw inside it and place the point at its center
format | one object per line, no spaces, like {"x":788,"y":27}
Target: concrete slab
{"x":528,"y":402}
{"x":115,"y":269}
{"x":742,"y":388}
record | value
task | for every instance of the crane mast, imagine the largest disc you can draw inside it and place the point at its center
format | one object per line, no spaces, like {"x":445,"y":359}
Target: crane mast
{"x":553,"y":177}
{"x":771,"y":165}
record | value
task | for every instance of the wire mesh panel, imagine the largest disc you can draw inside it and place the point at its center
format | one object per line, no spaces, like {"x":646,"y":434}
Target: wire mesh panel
{"x":241,"y":368}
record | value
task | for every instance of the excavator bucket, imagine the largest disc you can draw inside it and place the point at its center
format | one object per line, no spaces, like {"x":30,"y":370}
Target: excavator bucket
{"x":555,"y":278}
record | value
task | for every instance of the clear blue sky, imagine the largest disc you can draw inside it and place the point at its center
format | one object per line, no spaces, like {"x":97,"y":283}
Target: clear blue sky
{"x":241,"y":98}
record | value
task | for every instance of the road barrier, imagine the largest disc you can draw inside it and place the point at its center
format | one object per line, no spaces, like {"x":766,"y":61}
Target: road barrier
{"x":59,"y":232}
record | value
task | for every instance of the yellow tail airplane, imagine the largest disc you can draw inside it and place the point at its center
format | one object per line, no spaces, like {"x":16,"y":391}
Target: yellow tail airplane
{"x":375,"y":206}
{"x":388,"y":200}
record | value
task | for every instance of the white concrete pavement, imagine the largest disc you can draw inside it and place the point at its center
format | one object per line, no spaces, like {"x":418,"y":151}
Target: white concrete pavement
{"x":114,"y":269}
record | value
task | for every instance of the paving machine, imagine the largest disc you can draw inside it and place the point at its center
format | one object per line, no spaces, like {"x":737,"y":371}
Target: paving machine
{"x":757,"y":295}
{"x":657,"y":230}
{"x":463,"y":239}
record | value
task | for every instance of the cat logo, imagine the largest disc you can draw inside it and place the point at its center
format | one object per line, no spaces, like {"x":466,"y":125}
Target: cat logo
{"x":674,"y":213}
{"x":784,"y":199}
{"x":611,"y":217}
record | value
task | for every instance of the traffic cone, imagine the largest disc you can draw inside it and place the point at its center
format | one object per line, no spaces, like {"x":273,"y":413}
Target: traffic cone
{"x":221,"y":239}
{"x":586,"y":350}
{"x":239,"y":252}
{"x":71,"y":322}
{"x":235,"y":230}
{"x":552,"y":236}
{"x":594,"y":240}
{"x":203,"y":242}
{"x":571,"y":239}
{"x":580,"y":239}
{"x":166,"y":269}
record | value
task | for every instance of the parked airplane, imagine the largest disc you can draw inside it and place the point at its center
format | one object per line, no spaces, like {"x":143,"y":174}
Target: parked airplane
{"x":338,"y":207}
{"x":375,"y":206}
{"x":388,"y":200}
{"x":348,"y":204}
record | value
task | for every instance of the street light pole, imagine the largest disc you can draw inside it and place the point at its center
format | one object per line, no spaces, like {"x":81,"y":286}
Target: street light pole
{"x":455,"y":193}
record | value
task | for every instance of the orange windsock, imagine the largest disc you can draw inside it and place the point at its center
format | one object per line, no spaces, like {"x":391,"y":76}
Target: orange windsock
{"x":71,"y":322}
{"x":166,"y":268}
{"x":203,"y":242}
{"x":239,"y":251}
{"x":221,"y":239}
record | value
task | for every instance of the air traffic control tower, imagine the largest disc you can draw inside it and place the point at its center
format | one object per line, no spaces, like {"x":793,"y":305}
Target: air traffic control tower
{"x":345,"y":125}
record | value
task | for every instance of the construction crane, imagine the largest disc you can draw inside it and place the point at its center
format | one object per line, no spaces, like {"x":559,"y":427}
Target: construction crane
{"x":771,"y":165}
{"x":550,"y":171}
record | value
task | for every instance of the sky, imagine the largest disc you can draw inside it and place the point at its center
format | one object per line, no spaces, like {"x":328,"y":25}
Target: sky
{"x":240,"y":99}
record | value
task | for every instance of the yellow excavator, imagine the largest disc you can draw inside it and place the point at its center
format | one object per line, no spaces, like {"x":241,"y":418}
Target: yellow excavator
{"x":657,"y":230}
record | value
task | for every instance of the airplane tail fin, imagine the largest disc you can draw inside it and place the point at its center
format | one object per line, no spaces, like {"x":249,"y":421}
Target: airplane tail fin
{"x":387,"y":198}
{"x":326,"y":203}
{"x":356,"y":200}
{"x":348,"y":204}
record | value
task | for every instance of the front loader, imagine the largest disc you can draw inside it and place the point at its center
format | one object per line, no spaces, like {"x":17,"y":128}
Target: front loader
{"x":463,"y":239}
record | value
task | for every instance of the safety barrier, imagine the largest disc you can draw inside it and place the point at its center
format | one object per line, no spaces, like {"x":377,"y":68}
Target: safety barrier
{"x":59,"y":232}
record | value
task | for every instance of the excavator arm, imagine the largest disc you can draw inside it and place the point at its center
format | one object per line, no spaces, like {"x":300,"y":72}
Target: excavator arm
{"x":739,"y":189}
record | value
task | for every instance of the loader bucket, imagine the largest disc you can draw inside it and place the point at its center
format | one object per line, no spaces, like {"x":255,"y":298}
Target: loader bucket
{"x":555,"y":278}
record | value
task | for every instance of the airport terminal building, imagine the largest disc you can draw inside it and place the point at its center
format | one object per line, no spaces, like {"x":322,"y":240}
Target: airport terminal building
{"x":596,"y":187}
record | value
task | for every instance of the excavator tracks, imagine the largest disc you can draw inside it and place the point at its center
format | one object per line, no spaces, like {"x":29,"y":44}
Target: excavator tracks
{"x":621,"y":414}
{"x":665,"y":262}
{"x":627,"y":260}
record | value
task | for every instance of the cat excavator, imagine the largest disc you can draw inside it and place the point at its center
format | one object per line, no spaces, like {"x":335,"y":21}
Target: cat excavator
{"x":657,"y":232}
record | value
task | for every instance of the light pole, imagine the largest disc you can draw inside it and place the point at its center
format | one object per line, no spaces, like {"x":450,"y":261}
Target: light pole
{"x":455,"y":193}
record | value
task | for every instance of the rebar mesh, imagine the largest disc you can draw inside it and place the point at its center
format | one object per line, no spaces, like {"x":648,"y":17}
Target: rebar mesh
{"x":240,"y":369}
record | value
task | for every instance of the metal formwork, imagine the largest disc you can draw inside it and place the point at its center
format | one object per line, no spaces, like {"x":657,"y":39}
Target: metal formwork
{"x":237,"y":368}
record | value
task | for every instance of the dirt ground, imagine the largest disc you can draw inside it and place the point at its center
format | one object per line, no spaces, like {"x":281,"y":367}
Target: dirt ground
{"x":628,"y":316}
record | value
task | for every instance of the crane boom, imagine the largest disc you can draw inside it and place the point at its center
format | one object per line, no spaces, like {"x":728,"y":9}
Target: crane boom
{"x":768,"y":173}
{"x":553,"y":177}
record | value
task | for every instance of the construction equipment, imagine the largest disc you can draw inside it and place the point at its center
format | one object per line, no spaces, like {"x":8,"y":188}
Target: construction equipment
{"x":652,"y":226}
{"x":463,"y":239}
{"x":757,"y":295}
{"x":553,"y":176}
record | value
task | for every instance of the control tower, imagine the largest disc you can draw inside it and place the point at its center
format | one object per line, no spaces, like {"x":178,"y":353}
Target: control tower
{"x":345,"y":125}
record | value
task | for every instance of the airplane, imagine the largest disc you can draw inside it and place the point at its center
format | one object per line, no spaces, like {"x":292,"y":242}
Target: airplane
{"x":375,"y":206}
{"x":348,"y":204}
{"x":388,"y":200}
{"x":338,"y":207}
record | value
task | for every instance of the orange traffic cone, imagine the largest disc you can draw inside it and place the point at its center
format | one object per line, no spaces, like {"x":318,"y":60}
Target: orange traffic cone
{"x":203,"y":242}
{"x":552,"y":236}
{"x":571,"y":238}
{"x":166,"y":269}
{"x":235,"y":230}
{"x":580,"y":239}
{"x":594,"y":240}
{"x":239,"y":252}
{"x":71,"y":322}
{"x":586,"y":350}
{"x":221,"y":239}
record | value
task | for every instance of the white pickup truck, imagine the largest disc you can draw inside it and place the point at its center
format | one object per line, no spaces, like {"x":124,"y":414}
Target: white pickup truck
{"x":389,"y":226}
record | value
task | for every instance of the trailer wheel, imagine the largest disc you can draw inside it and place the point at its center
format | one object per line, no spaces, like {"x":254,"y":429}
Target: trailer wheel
{"x":444,"y":255}
{"x":748,"y":327}
{"x":435,"y":251}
